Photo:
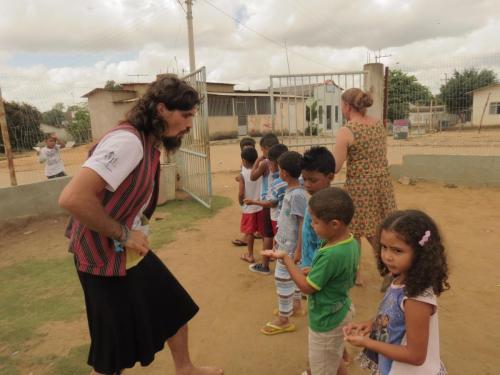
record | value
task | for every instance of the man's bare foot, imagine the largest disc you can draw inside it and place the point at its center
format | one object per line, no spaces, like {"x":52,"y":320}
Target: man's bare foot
{"x":201,"y":370}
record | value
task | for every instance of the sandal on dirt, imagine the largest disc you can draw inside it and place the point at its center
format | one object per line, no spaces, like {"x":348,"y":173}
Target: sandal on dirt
{"x":272,"y":329}
{"x":300,"y":313}
{"x":238,"y":242}
{"x":247,"y":258}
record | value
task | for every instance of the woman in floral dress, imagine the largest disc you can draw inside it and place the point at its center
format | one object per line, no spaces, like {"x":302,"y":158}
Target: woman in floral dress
{"x":362,"y":142}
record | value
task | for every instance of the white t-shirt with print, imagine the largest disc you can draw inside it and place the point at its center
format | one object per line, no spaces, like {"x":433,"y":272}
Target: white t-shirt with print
{"x":52,"y":158}
{"x":114,"y":158}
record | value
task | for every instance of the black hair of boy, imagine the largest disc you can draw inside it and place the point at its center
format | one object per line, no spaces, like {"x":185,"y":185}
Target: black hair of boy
{"x":247,"y":141}
{"x":291,"y":163}
{"x":319,"y":159}
{"x":276,"y":151}
{"x":332,"y":203}
{"x":268,"y":140}
{"x":249,"y":154}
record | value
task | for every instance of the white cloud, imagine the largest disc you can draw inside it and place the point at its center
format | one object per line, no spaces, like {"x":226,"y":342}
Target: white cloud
{"x":426,"y":37}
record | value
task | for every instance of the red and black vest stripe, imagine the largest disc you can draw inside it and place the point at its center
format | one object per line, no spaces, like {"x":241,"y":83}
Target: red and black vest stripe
{"x":95,"y":253}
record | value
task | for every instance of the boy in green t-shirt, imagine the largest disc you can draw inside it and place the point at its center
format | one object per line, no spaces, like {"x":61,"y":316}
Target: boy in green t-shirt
{"x":332,"y":274}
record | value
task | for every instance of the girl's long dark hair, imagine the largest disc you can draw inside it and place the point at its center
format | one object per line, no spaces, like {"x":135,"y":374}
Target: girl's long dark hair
{"x":429,"y":268}
{"x":175,"y":93}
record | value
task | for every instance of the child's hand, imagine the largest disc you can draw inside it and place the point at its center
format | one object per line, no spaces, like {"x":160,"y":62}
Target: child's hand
{"x":276,"y":254}
{"x":248,"y":201}
{"x":297,"y":257}
{"x":357,"y":340}
{"x":357,"y":328}
{"x":237,"y":178}
{"x":305,"y":271}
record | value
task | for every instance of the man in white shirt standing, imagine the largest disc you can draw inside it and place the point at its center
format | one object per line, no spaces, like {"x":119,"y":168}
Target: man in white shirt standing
{"x":51,"y":156}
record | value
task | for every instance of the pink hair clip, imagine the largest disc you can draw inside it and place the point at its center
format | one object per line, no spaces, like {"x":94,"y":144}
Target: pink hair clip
{"x":425,"y":238}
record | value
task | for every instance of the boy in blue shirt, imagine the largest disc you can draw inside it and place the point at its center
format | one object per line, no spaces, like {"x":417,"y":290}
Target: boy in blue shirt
{"x":276,"y":193}
{"x":318,"y":169}
{"x":288,"y":239}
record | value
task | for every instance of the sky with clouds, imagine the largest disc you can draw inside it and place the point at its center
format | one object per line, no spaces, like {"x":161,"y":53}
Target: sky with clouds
{"x":55,"y":51}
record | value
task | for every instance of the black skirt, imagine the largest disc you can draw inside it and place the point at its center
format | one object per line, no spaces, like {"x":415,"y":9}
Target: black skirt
{"x":131,"y":317}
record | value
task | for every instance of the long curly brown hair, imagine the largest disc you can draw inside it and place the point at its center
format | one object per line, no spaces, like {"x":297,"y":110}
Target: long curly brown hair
{"x":429,"y":268}
{"x":175,"y":93}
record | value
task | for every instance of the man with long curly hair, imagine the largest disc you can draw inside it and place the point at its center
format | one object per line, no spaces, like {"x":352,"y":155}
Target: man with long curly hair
{"x":134,"y":304}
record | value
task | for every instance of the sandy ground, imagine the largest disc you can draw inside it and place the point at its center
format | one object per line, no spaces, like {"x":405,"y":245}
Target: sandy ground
{"x":235,"y":303}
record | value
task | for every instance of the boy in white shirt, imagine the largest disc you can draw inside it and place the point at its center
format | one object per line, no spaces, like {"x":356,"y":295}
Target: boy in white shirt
{"x":51,"y":156}
{"x":249,"y":191}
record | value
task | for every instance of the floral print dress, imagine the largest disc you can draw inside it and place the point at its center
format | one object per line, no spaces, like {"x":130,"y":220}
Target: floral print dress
{"x":368,"y":181}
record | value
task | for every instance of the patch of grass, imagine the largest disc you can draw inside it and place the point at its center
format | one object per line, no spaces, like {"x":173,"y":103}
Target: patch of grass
{"x":181,"y":214}
{"x":33,"y":293}
{"x":75,"y":363}
{"x":7,"y":366}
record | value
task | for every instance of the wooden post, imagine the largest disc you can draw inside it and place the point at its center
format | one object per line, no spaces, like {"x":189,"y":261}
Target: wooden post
{"x":431,"y":124}
{"x":6,"y":142}
{"x":484,"y":110}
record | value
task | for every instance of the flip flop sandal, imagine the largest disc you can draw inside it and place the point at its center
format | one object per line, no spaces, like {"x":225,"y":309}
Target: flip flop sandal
{"x":271,"y":329}
{"x":238,"y":242}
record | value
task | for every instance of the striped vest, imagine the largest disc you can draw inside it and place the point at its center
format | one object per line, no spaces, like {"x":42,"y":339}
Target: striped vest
{"x":95,"y":253}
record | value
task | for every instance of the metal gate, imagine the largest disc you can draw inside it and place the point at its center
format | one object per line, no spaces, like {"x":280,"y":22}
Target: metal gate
{"x":193,"y":158}
{"x":306,"y":107}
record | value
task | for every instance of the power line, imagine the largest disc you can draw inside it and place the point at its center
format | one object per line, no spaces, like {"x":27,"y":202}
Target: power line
{"x":181,"y":6}
{"x":262,"y":35}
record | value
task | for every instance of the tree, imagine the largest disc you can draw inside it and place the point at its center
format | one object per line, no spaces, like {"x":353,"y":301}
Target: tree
{"x":55,"y":116}
{"x":454,"y":92}
{"x":79,"y":128}
{"x":403,"y":90}
{"x":23,"y":122}
{"x":112,"y":85}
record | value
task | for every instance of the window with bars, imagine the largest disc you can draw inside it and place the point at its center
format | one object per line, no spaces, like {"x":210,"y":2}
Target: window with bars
{"x":220,"y":105}
{"x":263,"y":105}
{"x":495,"y":108}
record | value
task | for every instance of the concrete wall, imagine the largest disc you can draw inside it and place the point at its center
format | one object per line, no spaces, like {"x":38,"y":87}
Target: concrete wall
{"x":31,"y":200}
{"x":374,"y":84}
{"x":259,"y":124}
{"x":464,"y":170}
{"x":222,"y":124}
{"x":104,"y":114}
{"x":478,"y":103}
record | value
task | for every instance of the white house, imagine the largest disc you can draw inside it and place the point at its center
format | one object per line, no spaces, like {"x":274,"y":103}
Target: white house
{"x":486,"y":99}
{"x":328,"y":95}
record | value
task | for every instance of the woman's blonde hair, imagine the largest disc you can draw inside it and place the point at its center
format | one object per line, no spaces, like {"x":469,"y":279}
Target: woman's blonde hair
{"x":358,"y":99}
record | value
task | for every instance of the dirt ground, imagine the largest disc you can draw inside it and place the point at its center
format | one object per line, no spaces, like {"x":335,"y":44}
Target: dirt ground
{"x":235,"y":303}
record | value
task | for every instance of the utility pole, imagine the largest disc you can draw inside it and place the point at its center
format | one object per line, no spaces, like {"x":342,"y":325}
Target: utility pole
{"x":6,"y":142}
{"x":189,"y":16}
{"x":287,"y":62}
{"x":445,"y":79}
